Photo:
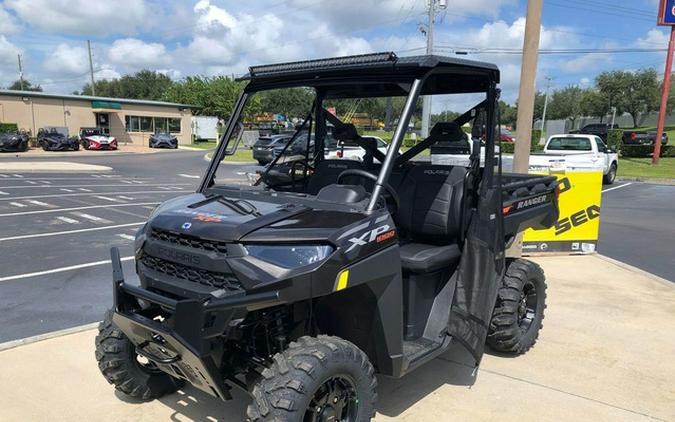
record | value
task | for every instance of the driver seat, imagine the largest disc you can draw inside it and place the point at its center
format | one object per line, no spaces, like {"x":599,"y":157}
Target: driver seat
{"x":430,"y":217}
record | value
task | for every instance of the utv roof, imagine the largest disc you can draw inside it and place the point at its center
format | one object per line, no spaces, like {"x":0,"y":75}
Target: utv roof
{"x":378,"y":74}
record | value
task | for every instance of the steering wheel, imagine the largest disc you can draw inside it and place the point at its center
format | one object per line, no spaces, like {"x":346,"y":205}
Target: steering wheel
{"x":362,"y":173}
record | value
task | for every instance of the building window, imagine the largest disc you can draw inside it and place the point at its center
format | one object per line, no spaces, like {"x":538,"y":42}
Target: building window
{"x":132,"y":123}
{"x":174,"y":124}
{"x":146,"y":124}
{"x":152,"y":124}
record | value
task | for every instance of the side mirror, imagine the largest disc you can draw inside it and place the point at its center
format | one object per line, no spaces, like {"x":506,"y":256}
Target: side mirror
{"x":237,"y":135}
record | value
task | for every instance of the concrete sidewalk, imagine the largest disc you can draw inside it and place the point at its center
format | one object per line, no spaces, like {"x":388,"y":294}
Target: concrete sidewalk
{"x":24,"y":166}
{"x":605,"y":354}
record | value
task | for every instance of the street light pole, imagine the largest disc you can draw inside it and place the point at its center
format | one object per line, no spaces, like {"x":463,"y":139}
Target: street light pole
{"x":434,"y":6}
{"x":543,"y":117}
{"x":664,"y":98}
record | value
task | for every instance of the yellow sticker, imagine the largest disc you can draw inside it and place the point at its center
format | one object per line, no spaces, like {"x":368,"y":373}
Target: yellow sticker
{"x":579,"y":202}
{"x":343,"y":279}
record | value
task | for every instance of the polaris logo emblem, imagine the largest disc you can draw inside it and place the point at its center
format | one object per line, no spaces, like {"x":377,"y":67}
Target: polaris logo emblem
{"x":437,"y":172}
{"x":186,"y":226}
{"x":177,"y":256}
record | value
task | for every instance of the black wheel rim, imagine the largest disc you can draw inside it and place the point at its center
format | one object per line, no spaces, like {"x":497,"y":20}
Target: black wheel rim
{"x":527,"y":308}
{"x":335,"y":400}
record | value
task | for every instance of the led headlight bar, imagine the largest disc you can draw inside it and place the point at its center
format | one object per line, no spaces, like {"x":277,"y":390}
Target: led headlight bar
{"x":323,"y":64}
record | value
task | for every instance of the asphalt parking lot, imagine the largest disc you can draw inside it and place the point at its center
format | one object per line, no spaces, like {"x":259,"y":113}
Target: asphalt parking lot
{"x":57,"y":229}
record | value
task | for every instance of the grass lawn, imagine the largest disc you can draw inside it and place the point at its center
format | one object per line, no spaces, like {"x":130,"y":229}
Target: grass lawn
{"x":241,"y":156}
{"x":204,"y":145}
{"x":642,"y":167}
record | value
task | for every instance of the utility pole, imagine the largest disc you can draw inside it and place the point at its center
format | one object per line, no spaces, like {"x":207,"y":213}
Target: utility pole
{"x":528,"y":74}
{"x":20,"y":71}
{"x":91,"y":70}
{"x":543,"y":117}
{"x":663,"y":112}
{"x":433,"y":7}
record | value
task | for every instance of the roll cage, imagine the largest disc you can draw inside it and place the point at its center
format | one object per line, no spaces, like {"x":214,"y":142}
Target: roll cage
{"x":375,"y":75}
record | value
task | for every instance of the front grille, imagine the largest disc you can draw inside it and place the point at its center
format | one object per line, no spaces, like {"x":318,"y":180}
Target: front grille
{"x":195,"y":275}
{"x":189,"y":241}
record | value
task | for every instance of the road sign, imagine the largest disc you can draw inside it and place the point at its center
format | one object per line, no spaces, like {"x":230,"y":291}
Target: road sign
{"x":667,"y":12}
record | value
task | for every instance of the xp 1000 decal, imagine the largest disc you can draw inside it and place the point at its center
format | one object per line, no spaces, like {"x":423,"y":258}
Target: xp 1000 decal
{"x":577,"y":228}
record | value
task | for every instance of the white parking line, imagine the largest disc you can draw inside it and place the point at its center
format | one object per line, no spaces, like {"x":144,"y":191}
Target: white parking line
{"x":66,"y":190}
{"x":3,"y":193}
{"x":39,"y":203}
{"x":62,"y":269}
{"x":617,"y":187}
{"x":189,"y":176}
{"x":105,"y":198}
{"x":126,"y":198}
{"x":148,"y":205}
{"x":90,"y":194}
{"x":126,"y":236}
{"x":84,"y":190}
{"x":18,"y":204}
{"x":30,"y":182}
{"x":91,"y":217}
{"x":63,"y":187}
{"x":46,"y":182}
{"x":3,"y":175}
{"x":91,"y":229}
{"x":67,"y":220}
{"x":18,"y":175}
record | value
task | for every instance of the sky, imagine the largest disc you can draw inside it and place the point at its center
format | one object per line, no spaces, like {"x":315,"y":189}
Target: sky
{"x":216,"y":37}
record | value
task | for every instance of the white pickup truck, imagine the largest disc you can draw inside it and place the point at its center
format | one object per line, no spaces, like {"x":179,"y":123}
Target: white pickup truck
{"x":574,"y":151}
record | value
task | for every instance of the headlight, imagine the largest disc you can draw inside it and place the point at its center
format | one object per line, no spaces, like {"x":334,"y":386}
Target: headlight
{"x":290,"y":256}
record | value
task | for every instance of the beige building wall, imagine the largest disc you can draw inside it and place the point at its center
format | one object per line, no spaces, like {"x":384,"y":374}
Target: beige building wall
{"x":34,"y":113}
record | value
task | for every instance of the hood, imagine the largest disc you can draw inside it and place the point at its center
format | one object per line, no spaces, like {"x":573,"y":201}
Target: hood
{"x":227,"y":219}
{"x":99,"y":138}
{"x":162,"y":137}
{"x":9,"y":137}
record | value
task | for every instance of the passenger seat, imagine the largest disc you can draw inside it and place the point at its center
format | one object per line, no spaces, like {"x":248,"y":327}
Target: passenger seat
{"x":430,"y":217}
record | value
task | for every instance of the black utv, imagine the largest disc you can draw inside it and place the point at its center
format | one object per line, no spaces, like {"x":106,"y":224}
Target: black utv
{"x":56,"y":139}
{"x":301,"y":288}
{"x":14,"y":141}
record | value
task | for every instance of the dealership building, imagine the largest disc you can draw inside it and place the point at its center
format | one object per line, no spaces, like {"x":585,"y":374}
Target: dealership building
{"x":128,"y":120}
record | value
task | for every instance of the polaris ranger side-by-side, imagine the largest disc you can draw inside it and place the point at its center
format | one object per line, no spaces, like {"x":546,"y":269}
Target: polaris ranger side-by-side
{"x":302,"y":287}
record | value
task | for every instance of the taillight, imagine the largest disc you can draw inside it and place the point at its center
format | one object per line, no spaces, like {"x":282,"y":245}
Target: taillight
{"x":556,"y":192}
{"x":507,"y":209}
{"x":633,"y":136}
{"x":339,"y":154}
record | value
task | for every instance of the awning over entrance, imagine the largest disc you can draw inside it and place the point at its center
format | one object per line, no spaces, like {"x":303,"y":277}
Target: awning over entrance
{"x":105,"y":106}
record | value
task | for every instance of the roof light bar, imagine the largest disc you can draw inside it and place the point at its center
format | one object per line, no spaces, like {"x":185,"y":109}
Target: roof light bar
{"x":323,"y":64}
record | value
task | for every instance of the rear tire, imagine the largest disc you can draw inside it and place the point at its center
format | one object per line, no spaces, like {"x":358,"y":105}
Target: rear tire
{"x":519,"y":312}
{"x":119,"y":364}
{"x":610,"y":177}
{"x":323,"y":377}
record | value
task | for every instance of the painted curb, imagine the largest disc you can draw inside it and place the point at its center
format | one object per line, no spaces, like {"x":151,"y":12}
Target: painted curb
{"x":46,"y":336}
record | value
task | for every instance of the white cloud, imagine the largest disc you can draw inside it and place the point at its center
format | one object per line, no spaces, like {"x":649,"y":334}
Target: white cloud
{"x":67,"y":60}
{"x":133,"y":52}
{"x":655,"y":38}
{"x":8,"y":61}
{"x":8,"y":23}
{"x":82,"y":16}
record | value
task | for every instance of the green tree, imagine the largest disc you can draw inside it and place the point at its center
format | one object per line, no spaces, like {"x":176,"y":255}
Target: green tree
{"x":27,"y":86}
{"x":594,"y":103}
{"x":565,"y":104}
{"x":507,"y":114}
{"x":215,"y":95}
{"x":291,"y":102}
{"x":631,"y":92}
{"x":142,"y":85}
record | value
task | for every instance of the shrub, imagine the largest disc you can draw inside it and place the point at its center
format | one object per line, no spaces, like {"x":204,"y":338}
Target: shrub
{"x":614,"y":137}
{"x":507,"y":147}
{"x":8,"y":127}
{"x":646,"y":151}
{"x":536,"y":136}
{"x":409,"y":142}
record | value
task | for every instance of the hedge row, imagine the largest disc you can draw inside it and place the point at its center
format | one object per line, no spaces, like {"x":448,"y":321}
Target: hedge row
{"x":646,"y":151}
{"x":8,"y":127}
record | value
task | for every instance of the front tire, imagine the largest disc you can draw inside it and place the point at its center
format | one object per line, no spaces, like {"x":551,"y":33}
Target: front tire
{"x":121,"y":367}
{"x":519,"y":312}
{"x":610,"y":177}
{"x":316,"y":379}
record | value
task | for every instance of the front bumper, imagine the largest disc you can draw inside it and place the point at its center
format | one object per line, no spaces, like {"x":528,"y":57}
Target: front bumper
{"x":187,"y":343}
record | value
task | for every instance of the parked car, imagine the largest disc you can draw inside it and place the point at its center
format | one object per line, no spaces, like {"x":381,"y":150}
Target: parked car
{"x":597,"y":129}
{"x":53,"y":138}
{"x":14,"y":141}
{"x":267,"y":148}
{"x":162,"y":140}
{"x":95,"y":138}
{"x":633,"y":137}
{"x":505,"y":135}
{"x":580,"y":150}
